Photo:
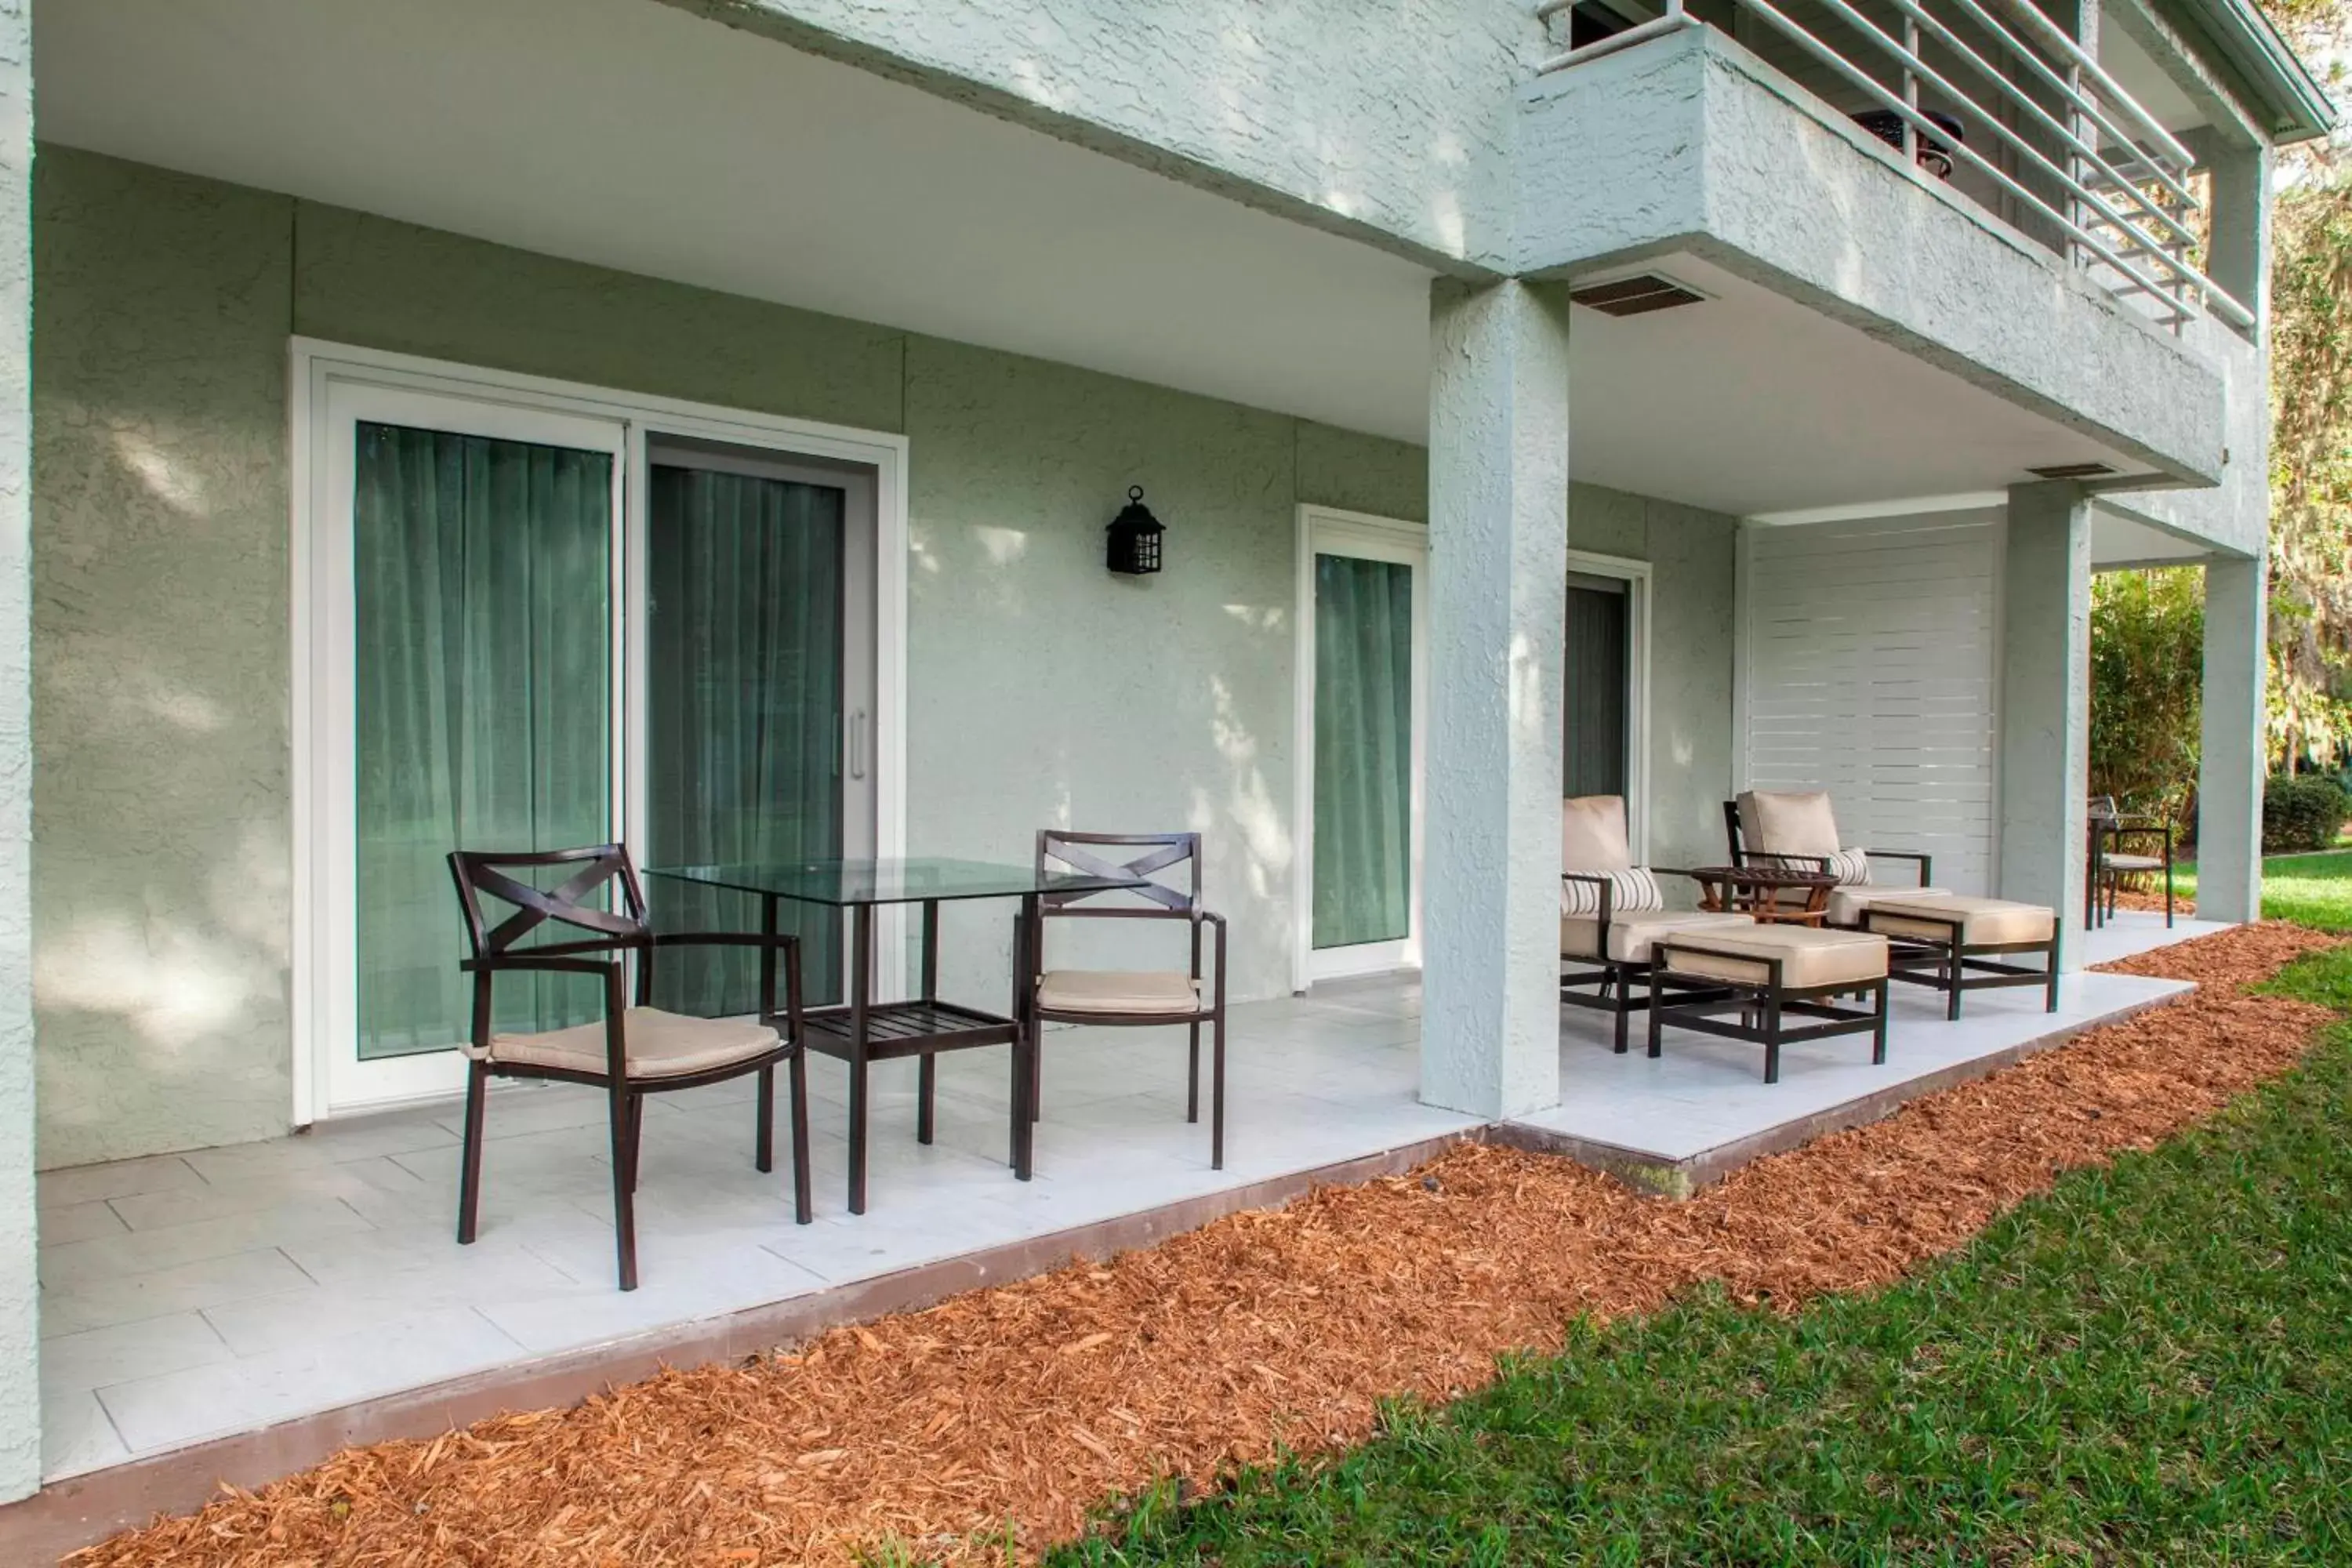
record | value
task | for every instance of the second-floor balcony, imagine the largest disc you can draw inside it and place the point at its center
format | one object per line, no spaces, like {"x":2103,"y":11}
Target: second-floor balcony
{"x":2069,"y":127}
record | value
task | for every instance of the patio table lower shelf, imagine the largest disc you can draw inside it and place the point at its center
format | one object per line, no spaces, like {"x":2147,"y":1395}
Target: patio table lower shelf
{"x":918,"y":1028}
{"x":861,"y":1031}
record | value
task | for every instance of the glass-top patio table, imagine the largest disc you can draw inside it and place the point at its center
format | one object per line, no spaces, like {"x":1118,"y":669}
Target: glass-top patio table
{"x":863,"y":1030}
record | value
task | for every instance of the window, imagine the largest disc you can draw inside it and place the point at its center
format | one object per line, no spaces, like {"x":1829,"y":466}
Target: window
{"x":530,"y":615}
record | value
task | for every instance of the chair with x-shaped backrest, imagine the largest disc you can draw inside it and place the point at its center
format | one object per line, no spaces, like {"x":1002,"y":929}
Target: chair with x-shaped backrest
{"x":634,"y":1050}
{"x":1164,"y":877}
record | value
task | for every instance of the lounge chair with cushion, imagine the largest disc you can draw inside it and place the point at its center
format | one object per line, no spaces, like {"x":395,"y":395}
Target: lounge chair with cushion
{"x":1611,"y":912}
{"x":1796,"y":828}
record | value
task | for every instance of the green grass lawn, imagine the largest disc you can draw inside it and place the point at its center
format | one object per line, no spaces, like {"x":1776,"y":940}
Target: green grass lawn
{"x":2150,"y":1365}
{"x":2310,"y":890}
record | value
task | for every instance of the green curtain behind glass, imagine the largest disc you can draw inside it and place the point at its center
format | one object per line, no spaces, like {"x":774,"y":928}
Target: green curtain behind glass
{"x":1363,"y":751}
{"x":1593,"y":713}
{"x":744,"y":639}
{"x":482,"y":576}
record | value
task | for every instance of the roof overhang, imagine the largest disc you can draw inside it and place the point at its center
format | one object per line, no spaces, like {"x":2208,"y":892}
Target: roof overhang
{"x":2277,"y":87}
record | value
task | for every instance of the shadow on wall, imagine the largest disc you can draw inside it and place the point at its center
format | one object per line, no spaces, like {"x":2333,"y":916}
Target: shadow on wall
{"x":161,"y":861}
{"x":1048,"y":691}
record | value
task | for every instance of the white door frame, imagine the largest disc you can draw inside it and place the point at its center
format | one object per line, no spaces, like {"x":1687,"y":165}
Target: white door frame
{"x":324,"y":373}
{"x":1323,"y":529}
{"x":1635,"y":576}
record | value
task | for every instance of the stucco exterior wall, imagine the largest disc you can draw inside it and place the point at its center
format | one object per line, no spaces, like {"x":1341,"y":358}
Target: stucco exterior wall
{"x":1690,"y":141}
{"x":1045,"y":690}
{"x":20,"y":1394}
{"x":1693,"y":597}
{"x":1041,"y":689}
{"x":2233,"y":516}
{"x":1390,"y":123}
{"x":160,"y":778}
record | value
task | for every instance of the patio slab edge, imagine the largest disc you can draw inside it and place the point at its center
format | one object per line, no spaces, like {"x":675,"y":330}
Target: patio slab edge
{"x":68,"y":1515}
{"x":1668,"y":1177}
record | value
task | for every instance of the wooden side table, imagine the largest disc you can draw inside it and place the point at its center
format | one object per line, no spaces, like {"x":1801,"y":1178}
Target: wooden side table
{"x":1769,"y":895}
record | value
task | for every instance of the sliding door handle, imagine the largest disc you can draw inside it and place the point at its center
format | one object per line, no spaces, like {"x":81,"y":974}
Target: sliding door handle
{"x":857,"y":745}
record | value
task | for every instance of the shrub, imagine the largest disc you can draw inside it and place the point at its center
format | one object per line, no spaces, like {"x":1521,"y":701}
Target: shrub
{"x":2302,"y":812}
{"x":2147,"y":660}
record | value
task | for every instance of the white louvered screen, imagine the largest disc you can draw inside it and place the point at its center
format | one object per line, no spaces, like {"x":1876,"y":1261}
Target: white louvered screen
{"x":1871,"y":670}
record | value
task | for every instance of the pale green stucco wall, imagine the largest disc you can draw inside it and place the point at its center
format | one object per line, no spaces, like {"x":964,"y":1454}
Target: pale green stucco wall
{"x":1040,"y":688}
{"x":160,"y":779}
{"x":1693,"y":573}
{"x":20,"y":1393}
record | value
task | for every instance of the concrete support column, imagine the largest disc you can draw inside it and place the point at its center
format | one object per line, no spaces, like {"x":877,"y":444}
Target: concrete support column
{"x":20,"y":1382}
{"x":2230,"y":771}
{"x":2239,"y":214}
{"x":2045,"y":703}
{"x":1498,"y":614}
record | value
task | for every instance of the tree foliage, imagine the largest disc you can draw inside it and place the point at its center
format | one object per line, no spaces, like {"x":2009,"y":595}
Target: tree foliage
{"x":2148,"y":641}
{"x":2310,"y":471}
{"x":2311,"y":441}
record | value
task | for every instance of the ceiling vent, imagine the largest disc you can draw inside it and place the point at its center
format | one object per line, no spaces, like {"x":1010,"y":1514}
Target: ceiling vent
{"x":2071,"y":471}
{"x":1635,"y":296}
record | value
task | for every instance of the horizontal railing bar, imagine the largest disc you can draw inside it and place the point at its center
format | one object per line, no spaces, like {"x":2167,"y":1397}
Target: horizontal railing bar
{"x":2121,"y":234}
{"x":2224,"y":303}
{"x":2188,"y":275}
{"x":1862,"y":78}
{"x":2130,"y":247}
{"x":2026,"y":12}
{"x":1673,"y":21}
{"x":2059,"y":84}
{"x":2064,"y":133}
{"x":2174,"y":314}
{"x":2005,"y":133}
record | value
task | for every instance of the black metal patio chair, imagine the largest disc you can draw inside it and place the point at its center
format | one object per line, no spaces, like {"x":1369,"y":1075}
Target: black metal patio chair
{"x":634,"y":1050}
{"x":1115,"y":999}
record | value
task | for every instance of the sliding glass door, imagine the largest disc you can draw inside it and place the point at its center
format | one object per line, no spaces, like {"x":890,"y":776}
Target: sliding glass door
{"x":524,"y":648}
{"x":1605,"y":682}
{"x":1362,"y":659}
{"x":756,"y":703}
{"x":1597,"y":708}
{"x":463,"y":593}
{"x":482,"y":571}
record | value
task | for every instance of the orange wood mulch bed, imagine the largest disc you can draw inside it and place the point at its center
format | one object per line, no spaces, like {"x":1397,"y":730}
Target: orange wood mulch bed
{"x":2152,"y":903}
{"x":1016,"y":1409}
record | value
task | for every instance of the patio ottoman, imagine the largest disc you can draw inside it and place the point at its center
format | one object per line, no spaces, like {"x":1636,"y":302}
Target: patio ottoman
{"x":1616,"y":952}
{"x":1958,"y":944}
{"x":1765,"y":976}
{"x":1849,"y":900}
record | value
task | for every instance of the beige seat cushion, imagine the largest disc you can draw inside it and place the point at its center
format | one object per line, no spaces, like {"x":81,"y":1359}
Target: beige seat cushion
{"x":1846,"y":904}
{"x":1808,"y":957}
{"x":1119,"y":991}
{"x":1630,"y":936}
{"x":660,"y":1045}
{"x":1789,"y":821}
{"x":1983,"y":921}
{"x":1593,"y":834}
{"x":2133,"y":862}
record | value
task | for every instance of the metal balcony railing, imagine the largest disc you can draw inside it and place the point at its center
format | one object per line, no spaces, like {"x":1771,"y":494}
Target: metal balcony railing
{"x":1996,"y":97}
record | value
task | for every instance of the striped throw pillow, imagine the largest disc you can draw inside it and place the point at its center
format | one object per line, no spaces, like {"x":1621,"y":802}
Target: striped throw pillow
{"x":1850,"y":866}
{"x":1630,"y":892}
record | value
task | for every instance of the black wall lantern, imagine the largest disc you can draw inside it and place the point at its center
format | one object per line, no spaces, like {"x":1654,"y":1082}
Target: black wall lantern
{"x":1135,"y":537}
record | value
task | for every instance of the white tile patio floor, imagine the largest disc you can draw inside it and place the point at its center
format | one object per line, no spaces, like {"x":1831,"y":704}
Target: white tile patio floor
{"x":1703,"y":1094}
{"x":192,"y":1296}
